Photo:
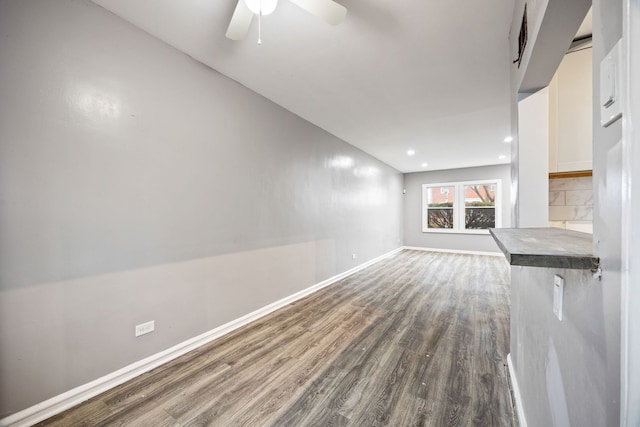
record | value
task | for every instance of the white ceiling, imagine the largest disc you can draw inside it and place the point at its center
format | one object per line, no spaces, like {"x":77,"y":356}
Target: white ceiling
{"x":432,"y":76}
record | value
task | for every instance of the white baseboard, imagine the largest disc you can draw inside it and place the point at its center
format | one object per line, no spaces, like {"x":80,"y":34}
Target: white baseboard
{"x":516,"y":393}
{"x":452,"y":251}
{"x":75,"y":396}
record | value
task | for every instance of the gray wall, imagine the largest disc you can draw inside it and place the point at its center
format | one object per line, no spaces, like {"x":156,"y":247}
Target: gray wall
{"x":138,"y":184}
{"x":562,"y":366}
{"x":607,"y":197}
{"x":570,"y":370}
{"x":413,"y":234}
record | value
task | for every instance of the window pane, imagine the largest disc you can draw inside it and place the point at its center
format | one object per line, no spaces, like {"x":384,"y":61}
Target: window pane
{"x":440,"y":207}
{"x":480,"y":206}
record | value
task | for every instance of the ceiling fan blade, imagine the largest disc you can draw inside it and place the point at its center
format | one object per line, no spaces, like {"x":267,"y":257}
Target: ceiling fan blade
{"x":327,"y":10}
{"x":240,"y":22}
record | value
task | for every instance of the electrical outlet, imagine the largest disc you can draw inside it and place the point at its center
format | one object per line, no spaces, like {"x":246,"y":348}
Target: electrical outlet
{"x":353,"y":256}
{"x":558,"y":296}
{"x":145,"y":328}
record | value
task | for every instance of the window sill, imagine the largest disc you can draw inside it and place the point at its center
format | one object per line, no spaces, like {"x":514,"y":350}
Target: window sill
{"x":450,"y":231}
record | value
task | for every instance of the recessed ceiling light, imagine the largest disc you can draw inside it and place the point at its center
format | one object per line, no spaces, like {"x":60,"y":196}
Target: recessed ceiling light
{"x":508,"y":139}
{"x":424,"y":165}
{"x":411,"y":152}
{"x":502,"y":157}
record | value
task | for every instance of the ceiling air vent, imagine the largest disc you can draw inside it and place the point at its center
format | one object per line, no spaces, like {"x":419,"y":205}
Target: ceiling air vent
{"x":522,"y":37}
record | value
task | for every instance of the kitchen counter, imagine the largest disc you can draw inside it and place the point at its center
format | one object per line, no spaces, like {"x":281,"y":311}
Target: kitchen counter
{"x":546,"y":247}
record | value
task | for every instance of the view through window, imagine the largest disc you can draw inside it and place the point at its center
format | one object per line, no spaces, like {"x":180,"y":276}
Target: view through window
{"x":440,"y":206}
{"x":461,"y":206}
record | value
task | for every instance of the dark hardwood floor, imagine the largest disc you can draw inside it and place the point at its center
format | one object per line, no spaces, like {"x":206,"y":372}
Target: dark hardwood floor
{"x":419,"y":339}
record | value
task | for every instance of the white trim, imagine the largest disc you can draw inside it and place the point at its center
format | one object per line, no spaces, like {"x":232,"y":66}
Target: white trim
{"x":456,"y":231}
{"x":452,"y":251}
{"x":516,"y":393}
{"x":75,"y":396}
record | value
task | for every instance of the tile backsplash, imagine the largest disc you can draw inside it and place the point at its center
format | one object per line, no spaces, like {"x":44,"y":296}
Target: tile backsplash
{"x":571,"y":203}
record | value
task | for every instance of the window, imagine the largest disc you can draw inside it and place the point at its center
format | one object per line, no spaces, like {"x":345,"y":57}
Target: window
{"x":440,"y":206}
{"x":461,"y":207}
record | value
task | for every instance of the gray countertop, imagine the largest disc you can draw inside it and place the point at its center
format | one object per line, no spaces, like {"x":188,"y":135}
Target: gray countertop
{"x":546,"y":247}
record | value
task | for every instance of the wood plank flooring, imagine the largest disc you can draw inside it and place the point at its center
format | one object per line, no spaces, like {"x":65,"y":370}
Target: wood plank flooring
{"x":419,"y":339}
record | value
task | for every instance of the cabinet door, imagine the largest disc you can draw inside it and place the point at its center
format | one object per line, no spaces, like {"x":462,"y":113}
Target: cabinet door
{"x":573,"y":136}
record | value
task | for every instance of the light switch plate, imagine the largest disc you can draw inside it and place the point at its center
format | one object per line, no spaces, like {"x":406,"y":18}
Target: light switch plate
{"x":558,"y":296}
{"x":610,"y":89}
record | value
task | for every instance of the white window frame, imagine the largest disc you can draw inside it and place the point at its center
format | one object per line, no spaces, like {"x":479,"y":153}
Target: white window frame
{"x":459,"y":206}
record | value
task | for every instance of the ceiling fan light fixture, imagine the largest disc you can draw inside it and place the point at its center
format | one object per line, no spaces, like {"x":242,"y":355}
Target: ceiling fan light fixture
{"x":261,"y":7}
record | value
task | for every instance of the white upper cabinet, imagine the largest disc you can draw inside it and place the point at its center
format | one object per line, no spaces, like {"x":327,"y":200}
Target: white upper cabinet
{"x":570,"y":114}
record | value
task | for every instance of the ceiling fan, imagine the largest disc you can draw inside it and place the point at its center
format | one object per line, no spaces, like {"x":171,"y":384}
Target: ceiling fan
{"x":327,"y":10}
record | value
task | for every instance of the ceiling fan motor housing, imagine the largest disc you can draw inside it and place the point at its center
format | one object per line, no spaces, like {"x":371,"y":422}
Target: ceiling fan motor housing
{"x":261,"y":7}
